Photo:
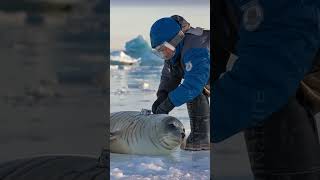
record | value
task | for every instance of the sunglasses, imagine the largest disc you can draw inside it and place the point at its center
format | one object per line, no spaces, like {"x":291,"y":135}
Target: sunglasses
{"x":167,"y":50}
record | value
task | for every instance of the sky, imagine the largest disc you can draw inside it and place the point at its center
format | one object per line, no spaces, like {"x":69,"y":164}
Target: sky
{"x":127,"y":21}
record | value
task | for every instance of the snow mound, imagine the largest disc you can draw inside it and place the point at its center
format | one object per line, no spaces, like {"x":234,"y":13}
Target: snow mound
{"x":121,"y":58}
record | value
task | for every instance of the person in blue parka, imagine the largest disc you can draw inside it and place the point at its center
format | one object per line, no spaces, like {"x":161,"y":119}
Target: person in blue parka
{"x":186,"y":53}
{"x":261,"y":90}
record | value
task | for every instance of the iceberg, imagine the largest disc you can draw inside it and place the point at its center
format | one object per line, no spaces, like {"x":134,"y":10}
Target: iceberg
{"x":137,"y":47}
{"x":150,"y":59}
{"x":137,"y":51}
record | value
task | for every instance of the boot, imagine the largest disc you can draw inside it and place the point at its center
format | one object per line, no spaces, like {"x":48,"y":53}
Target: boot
{"x":199,"y":111}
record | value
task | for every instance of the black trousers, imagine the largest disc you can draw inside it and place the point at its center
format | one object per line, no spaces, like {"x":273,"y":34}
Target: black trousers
{"x":286,"y":146}
{"x":199,"y":114}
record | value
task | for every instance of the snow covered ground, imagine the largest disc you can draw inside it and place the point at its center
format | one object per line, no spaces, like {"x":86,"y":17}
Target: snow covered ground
{"x":181,"y":165}
{"x":134,"y":88}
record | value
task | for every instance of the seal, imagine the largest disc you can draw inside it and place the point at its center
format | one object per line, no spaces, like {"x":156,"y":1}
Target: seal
{"x":134,"y":132}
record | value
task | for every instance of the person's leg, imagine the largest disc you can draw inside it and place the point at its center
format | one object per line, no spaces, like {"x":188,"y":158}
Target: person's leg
{"x":285,"y":146}
{"x":199,"y":114}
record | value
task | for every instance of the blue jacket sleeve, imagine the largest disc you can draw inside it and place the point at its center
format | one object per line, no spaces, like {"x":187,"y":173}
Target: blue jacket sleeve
{"x":196,"y":76}
{"x":273,"y":59}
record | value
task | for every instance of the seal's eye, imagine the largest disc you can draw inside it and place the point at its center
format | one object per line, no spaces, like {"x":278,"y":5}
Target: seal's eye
{"x":171,"y":126}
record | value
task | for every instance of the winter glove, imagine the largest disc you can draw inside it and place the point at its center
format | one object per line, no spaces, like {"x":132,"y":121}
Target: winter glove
{"x":165,"y":107}
{"x":156,"y":103}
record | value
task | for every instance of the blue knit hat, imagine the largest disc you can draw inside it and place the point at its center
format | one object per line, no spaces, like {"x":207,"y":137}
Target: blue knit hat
{"x":163,"y":30}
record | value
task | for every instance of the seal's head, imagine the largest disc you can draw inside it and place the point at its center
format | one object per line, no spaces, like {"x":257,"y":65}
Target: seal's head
{"x":171,"y":133}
